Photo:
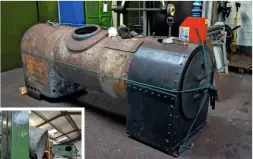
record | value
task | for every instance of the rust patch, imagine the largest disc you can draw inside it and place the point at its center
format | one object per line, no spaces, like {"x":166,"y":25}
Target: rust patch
{"x":36,"y":67}
{"x":128,"y":45}
{"x":26,"y":44}
{"x":116,"y":64}
{"x":41,"y":39}
{"x":120,"y":87}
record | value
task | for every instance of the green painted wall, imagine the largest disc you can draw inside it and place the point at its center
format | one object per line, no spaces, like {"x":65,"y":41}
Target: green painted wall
{"x":14,"y":139}
{"x":94,"y":13}
{"x":16,"y":18}
{"x":48,"y":10}
{"x":20,"y":135}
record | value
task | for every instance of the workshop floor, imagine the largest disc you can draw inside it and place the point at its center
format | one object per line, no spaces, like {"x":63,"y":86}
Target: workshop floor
{"x":227,"y":135}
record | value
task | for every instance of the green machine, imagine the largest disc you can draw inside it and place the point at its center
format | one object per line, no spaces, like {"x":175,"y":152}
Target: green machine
{"x":65,"y":150}
{"x":14,"y":135}
{"x":98,"y":12}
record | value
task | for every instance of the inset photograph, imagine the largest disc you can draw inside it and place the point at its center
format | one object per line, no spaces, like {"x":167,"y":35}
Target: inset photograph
{"x":41,"y":134}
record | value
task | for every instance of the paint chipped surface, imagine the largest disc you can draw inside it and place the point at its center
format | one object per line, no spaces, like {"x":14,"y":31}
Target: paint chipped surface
{"x":36,"y":67}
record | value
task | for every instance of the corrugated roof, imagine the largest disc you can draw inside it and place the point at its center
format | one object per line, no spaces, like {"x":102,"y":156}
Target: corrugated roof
{"x":63,"y":126}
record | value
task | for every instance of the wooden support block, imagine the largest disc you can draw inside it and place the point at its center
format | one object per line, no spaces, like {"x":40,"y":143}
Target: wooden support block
{"x":226,"y":74}
{"x":23,"y":90}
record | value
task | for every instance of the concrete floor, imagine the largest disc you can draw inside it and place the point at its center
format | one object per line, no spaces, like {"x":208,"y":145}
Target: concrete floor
{"x":228,"y":134}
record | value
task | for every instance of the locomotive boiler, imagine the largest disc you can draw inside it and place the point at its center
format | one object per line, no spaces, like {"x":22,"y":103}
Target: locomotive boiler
{"x":164,"y":85}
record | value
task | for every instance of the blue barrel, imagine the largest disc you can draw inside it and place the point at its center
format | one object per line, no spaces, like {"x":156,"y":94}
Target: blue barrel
{"x":197,"y":9}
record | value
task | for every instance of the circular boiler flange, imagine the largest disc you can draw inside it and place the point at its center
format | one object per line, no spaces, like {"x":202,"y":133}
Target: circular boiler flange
{"x":80,"y":39}
{"x":85,"y":32}
{"x":195,"y":76}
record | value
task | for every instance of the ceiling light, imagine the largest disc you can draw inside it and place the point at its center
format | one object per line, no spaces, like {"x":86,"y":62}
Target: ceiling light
{"x":52,"y":132}
{"x":53,"y":141}
{"x":62,"y":139}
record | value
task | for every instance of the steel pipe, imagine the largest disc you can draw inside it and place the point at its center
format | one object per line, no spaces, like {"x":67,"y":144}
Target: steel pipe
{"x":143,"y":9}
{"x":213,"y":33}
{"x":214,"y":27}
{"x":139,"y":9}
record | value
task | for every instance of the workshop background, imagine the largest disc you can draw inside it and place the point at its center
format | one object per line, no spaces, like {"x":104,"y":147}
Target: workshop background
{"x":17,"y":17}
{"x":245,"y":20}
{"x":228,"y":133}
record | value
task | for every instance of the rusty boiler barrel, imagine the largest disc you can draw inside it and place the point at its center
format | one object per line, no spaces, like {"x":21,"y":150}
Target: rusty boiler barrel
{"x":150,"y":76}
{"x":38,"y":142}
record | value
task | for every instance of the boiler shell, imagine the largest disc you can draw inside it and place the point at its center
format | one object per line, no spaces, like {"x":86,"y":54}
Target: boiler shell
{"x":149,"y":76}
{"x":103,"y":64}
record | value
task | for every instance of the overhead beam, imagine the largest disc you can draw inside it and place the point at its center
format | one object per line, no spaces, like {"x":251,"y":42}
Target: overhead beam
{"x":49,"y":120}
{"x":74,"y":113}
{"x":58,"y":116}
{"x":72,"y":123}
{"x":66,"y":134}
